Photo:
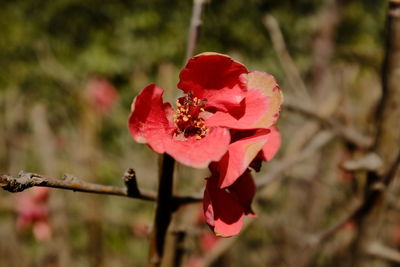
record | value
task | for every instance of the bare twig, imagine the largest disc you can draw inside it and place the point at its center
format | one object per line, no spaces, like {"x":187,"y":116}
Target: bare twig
{"x":222,"y":246}
{"x":387,"y":143}
{"x":374,"y":195}
{"x":320,"y":140}
{"x":326,"y":234}
{"x":195,"y":24}
{"x":289,"y":67}
{"x":348,"y":133}
{"x":368,"y":162}
{"x":379,"y":250}
{"x":26,"y":180}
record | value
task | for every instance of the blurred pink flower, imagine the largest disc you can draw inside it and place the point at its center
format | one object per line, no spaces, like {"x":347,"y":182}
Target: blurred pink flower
{"x":102,"y":94}
{"x":32,"y":211}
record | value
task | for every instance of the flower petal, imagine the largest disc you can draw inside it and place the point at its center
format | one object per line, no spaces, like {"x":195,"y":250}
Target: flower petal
{"x":216,"y":78}
{"x":267,"y":83}
{"x":222,"y":211}
{"x":259,"y":108}
{"x":198,"y":153}
{"x":240,"y":154}
{"x":248,"y":116}
{"x":270,"y":149}
{"x":148,"y":121}
{"x":244,"y":189}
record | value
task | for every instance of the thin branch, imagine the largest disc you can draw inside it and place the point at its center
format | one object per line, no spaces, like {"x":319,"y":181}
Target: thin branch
{"x":381,"y":251}
{"x":368,"y":162}
{"x":289,"y":67}
{"x":348,"y":133}
{"x":222,"y":246}
{"x":26,"y":180}
{"x":274,"y":174}
{"x":374,"y":195}
{"x":326,"y":234}
{"x":387,"y":143}
{"x":195,"y":24}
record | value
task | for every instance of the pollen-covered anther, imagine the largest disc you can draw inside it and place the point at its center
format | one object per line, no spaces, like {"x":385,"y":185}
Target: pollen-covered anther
{"x":187,"y":117}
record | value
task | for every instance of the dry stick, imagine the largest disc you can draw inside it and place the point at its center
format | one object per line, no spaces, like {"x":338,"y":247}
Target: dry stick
{"x":26,"y":180}
{"x":295,"y":81}
{"x":320,"y":140}
{"x":387,"y":144}
{"x":350,"y":134}
{"x":195,"y":24}
{"x":222,"y":246}
{"x":386,"y":253}
{"x":165,"y":206}
{"x":289,"y":67}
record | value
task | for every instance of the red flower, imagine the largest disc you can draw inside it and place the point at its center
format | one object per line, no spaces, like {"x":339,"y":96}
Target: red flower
{"x":226,"y":117}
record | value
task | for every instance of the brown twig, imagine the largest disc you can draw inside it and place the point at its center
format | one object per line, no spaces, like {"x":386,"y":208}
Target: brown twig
{"x":381,"y":251}
{"x":26,"y":180}
{"x":320,"y":140}
{"x":222,"y":246}
{"x":296,"y":83}
{"x":363,"y":209}
{"x":387,"y":143}
{"x":350,"y":134}
{"x":195,"y":24}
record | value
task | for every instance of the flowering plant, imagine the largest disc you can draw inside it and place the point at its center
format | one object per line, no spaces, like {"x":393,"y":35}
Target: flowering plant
{"x":225,"y":121}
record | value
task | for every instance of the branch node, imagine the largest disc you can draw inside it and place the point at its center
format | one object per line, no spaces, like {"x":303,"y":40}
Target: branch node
{"x":25,"y":180}
{"x":70,"y":178}
{"x":131,"y":182}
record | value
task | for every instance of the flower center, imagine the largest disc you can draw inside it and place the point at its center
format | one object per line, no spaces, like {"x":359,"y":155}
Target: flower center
{"x":188,"y":119}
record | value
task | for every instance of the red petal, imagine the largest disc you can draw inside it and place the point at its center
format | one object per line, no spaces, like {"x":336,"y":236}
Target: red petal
{"x":270,"y":149}
{"x":260,"y":107}
{"x":214,"y":77}
{"x":254,"y":107}
{"x":148,"y":122}
{"x":240,"y":154}
{"x":222,"y":211}
{"x":267,"y":84}
{"x":199,"y":153}
{"x":244,"y":189}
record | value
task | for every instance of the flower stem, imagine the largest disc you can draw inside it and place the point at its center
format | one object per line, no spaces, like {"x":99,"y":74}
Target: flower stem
{"x":164,"y":211}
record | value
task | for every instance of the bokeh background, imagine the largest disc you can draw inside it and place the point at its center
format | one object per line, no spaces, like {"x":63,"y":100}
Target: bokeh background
{"x":69,"y":71}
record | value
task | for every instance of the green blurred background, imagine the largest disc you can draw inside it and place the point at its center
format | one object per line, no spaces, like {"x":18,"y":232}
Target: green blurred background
{"x":51,"y":50}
